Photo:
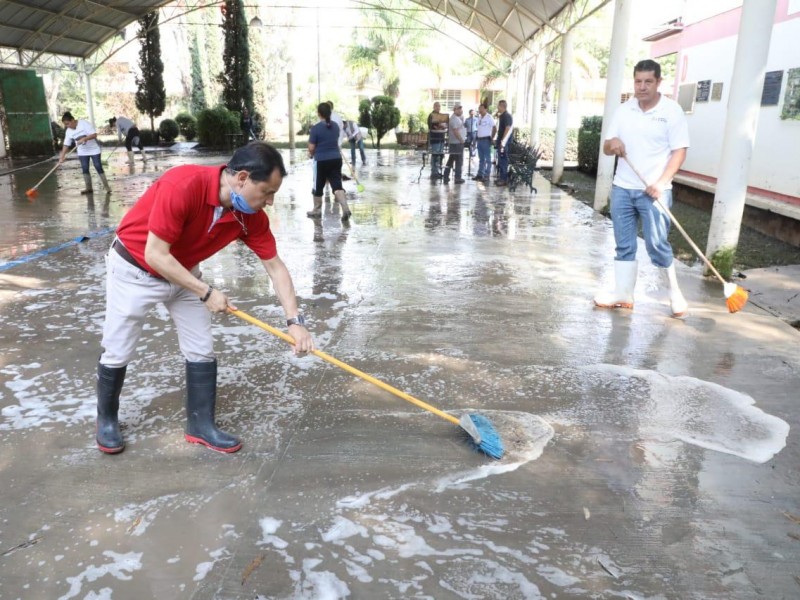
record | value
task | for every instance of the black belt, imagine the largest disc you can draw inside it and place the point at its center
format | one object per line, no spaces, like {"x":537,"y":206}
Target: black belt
{"x":488,"y":137}
{"x":126,"y":256}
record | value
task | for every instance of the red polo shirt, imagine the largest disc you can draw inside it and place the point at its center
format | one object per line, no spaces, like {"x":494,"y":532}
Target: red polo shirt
{"x":180,"y":207}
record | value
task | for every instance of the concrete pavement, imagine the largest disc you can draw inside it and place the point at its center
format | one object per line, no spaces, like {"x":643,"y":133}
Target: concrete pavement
{"x":647,"y":457}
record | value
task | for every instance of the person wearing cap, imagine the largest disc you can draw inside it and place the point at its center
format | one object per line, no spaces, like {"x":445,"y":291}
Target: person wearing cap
{"x":132,"y":136}
{"x":457,"y":133}
{"x":189,"y":214}
{"x":83,"y":134}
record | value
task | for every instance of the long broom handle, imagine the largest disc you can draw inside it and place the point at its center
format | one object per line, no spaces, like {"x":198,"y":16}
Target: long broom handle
{"x":352,"y":370}
{"x":50,"y":172}
{"x":349,"y":166}
{"x":678,"y":225}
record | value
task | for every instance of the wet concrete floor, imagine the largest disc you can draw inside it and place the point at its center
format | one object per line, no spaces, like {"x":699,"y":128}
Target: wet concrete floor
{"x":647,"y":457}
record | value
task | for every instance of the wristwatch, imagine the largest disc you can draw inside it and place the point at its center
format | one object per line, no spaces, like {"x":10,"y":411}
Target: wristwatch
{"x":298,"y":320}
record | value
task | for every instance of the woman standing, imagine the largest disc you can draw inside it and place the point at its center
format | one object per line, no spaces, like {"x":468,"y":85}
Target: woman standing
{"x":84,"y":135}
{"x":323,"y":147}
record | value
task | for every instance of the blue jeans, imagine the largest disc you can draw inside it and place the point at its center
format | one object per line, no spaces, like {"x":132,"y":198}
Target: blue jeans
{"x":502,"y":164}
{"x":628,"y":207}
{"x":98,"y":166}
{"x":360,"y":144}
{"x":485,"y":157}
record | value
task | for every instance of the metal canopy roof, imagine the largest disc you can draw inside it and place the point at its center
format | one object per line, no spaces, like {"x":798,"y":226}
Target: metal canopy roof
{"x":33,"y":31}
{"x":506,"y":24}
{"x":74,"y":28}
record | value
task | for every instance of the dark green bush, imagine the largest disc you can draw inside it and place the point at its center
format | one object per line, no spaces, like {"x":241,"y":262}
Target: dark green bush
{"x":213,"y":124}
{"x":187,"y":125}
{"x":168,"y":130}
{"x":149,"y":137}
{"x":589,"y":144}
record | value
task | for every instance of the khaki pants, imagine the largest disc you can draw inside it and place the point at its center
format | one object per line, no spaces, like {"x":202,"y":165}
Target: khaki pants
{"x":131,"y":293}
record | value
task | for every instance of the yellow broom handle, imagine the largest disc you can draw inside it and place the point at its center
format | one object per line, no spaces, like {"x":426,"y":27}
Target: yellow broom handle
{"x":352,"y":370}
{"x":678,"y":225}
{"x":349,"y":166}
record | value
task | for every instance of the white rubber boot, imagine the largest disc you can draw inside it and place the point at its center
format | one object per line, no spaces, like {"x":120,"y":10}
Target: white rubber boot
{"x":625,"y":272}
{"x":130,"y":156}
{"x":677,"y":302}
{"x":105,"y":182}
{"x":87,"y":180}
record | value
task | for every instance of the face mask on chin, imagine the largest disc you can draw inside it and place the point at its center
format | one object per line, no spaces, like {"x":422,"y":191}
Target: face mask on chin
{"x":238,"y":202}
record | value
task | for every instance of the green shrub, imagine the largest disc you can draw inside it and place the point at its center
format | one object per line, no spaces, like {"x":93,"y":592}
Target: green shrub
{"x":168,"y":130}
{"x":187,"y":125}
{"x":213,"y":124}
{"x":589,"y":144}
{"x":148,"y":137}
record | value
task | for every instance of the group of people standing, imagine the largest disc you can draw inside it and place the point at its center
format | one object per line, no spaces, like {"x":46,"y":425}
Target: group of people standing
{"x":475,"y":132}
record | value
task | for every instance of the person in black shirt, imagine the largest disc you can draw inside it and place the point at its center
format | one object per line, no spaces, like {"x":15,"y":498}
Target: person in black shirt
{"x":504,"y":128}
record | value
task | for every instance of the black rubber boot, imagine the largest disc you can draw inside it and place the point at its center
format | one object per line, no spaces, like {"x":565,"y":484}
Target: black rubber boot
{"x":109,"y":386}
{"x":201,"y":400}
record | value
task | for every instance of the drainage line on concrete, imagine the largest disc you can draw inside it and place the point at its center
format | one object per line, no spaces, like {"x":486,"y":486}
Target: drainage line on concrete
{"x":44,"y":252}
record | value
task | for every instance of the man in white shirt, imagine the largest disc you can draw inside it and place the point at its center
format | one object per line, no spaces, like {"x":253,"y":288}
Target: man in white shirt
{"x":82,"y":133}
{"x":353,"y":133}
{"x":486,"y":131}
{"x":648,"y":133}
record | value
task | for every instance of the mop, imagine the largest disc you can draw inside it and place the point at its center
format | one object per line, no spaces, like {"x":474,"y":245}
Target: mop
{"x":33,"y":192}
{"x":483,"y":435}
{"x":735,"y":296}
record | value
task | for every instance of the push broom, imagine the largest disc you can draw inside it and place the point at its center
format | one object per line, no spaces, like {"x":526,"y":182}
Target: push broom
{"x":483,"y":435}
{"x":34,"y":191}
{"x":735,"y":296}
{"x":359,"y":186}
{"x":108,"y":156}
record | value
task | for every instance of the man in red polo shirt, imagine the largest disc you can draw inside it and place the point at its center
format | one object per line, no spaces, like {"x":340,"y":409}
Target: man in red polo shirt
{"x":185,"y":217}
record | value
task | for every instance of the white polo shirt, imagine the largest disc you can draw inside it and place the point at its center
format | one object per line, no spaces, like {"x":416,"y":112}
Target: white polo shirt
{"x":83,"y":128}
{"x":485,"y":125}
{"x":650,"y":138}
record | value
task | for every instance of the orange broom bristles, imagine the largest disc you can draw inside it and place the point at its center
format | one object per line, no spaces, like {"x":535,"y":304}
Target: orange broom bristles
{"x":737,"y":299}
{"x":32,"y":193}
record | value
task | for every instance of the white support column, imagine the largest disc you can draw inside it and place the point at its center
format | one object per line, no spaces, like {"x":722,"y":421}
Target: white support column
{"x":560,"y":150}
{"x":614,"y":81}
{"x":741,"y":122}
{"x":290,"y":87}
{"x":2,"y":143}
{"x":89,"y":100}
{"x":536,"y":100}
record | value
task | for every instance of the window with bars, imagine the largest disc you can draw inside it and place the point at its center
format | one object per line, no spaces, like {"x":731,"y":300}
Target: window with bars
{"x":447,"y":98}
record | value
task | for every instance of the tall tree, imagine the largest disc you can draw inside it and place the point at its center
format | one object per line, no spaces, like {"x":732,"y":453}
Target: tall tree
{"x":151,"y":97}
{"x":198,"y":100}
{"x":237,"y":85}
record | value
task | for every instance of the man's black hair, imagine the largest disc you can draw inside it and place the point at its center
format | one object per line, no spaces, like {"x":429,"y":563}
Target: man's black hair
{"x":112,"y":121}
{"x":259,"y":159}
{"x":67,"y":116}
{"x":647,"y":65}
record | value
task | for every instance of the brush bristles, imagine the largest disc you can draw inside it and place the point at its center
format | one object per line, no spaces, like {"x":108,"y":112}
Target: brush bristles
{"x":31,"y":193}
{"x":491,"y":444}
{"x":737,"y":299}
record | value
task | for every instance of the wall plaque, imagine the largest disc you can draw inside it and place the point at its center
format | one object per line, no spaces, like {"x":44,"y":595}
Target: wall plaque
{"x":703,"y":90}
{"x":772,"y":88}
{"x":716,"y":91}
